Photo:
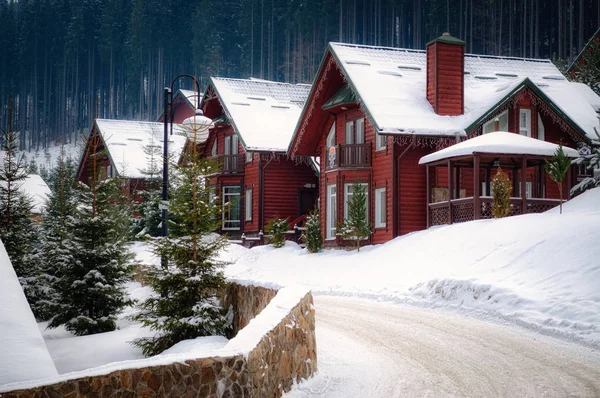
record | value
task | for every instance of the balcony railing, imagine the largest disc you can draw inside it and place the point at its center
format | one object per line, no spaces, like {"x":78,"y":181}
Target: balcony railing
{"x":461,"y":210}
{"x":230,"y":163}
{"x":349,"y":156}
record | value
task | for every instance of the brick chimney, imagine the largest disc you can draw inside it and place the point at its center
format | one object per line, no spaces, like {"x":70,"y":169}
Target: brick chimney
{"x":445,"y":75}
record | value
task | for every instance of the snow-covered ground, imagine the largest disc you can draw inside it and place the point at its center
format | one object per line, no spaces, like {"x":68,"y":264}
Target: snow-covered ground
{"x":541,"y":271}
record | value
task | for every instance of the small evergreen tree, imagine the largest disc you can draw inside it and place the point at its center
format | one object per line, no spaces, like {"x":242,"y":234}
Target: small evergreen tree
{"x":53,"y":253}
{"x":312,"y":236}
{"x":591,"y":161}
{"x":557,"y":169}
{"x":277,"y":227}
{"x":91,"y":288}
{"x":186,"y":303}
{"x":16,"y":226}
{"x":32,"y":168}
{"x":501,"y":191}
{"x":588,"y":67}
{"x":147,"y":223}
{"x":356,"y":226}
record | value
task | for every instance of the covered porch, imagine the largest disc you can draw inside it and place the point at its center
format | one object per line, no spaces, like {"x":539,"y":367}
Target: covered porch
{"x":459,"y":177}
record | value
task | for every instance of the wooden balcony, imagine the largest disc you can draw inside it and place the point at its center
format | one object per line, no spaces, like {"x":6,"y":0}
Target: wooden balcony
{"x":230,"y":164}
{"x":349,"y":156}
{"x":461,"y":210}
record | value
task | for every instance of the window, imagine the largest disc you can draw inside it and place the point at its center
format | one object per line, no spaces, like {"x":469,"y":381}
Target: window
{"x":541,"y":129}
{"x":231,"y":208}
{"x":380,"y":208}
{"x":249,"y":204}
{"x":213,"y":151}
{"x":380,"y":142}
{"x":528,"y":189}
{"x":503,"y":123}
{"x":109,"y":171}
{"x":231,"y":145}
{"x":331,"y":136}
{"x":525,"y":122}
{"x":331,"y":211}
{"x":355,"y":131}
{"x":348,"y":197}
{"x":248,"y":157}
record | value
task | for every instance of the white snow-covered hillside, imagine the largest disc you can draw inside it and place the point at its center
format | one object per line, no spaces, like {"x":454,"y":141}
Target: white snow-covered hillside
{"x":48,"y":158}
{"x":23,"y":353}
{"x":541,"y":271}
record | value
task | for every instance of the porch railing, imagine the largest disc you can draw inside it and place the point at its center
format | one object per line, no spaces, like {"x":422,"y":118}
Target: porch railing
{"x":349,"y":155}
{"x":461,"y":210}
{"x":230,"y":163}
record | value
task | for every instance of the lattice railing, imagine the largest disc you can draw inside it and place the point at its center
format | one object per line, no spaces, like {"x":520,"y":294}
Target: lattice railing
{"x":541,"y":205}
{"x":438,"y":214}
{"x":463,"y":211}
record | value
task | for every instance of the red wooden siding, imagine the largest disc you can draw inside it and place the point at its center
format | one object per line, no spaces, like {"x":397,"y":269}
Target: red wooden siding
{"x":283,"y":179}
{"x":412,"y":190}
{"x":251,"y":181}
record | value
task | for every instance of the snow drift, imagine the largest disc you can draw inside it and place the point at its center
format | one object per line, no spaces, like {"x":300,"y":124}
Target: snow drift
{"x":538,"y":270}
{"x":23,"y":353}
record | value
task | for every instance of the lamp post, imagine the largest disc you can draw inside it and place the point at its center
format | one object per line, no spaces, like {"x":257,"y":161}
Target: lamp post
{"x":168,"y":118}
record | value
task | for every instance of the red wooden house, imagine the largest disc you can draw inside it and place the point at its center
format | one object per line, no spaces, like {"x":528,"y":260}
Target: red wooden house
{"x":185,"y":103}
{"x":254,"y":122}
{"x":125,"y":149}
{"x":373,"y":112}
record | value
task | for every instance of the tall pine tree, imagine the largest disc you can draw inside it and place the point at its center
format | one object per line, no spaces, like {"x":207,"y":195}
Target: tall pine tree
{"x":91,"y":287}
{"x":186,"y":304}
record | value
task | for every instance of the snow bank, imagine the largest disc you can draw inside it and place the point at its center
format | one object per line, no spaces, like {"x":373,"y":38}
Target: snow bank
{"x":23,"y":353}
{"x":539,"y":270}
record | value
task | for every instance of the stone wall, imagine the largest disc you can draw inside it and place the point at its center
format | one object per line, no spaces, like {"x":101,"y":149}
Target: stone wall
{"x":285,"y":353}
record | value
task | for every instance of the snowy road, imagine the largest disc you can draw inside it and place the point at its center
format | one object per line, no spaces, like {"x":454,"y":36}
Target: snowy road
{"x":366,"y":348}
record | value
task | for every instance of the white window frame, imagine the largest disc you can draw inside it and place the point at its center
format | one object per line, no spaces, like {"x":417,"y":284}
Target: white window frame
{"x":380,"y":142}
{"x":380,"y":207}
{"x":491,"y":123}
{"x":528,"y":189}
{"x":355,"y":131}
{"x":348,"y":194}
{"x":331,"y":136}
{"x":525,"y":130}
{"x":109,"y":171}
{"x":331,"y":224}
{"x":248,"y":204}
{"x":227,"y":197}
{"x":214,"y":150}
{"x":249,"y":157}
{"x":541,"y":129}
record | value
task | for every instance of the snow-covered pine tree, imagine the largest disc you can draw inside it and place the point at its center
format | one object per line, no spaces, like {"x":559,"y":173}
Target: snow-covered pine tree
{"x":276,"y":228}
{"x":91,"y":287}
{"x":185,"y":304}
{"x":557,"y":169}
{"x":501,"y":189}
{"x":147,"y":223}
{"x":590,"y":161}
{"x":55,"y":236}
{"x":16,"y":225}
{"x":356,"y":226}
{"x":312,"y":236}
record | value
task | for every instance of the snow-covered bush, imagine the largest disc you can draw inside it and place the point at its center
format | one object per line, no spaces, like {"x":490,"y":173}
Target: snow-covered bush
{"x":312,"y":236}
{"x":501,"y":189}
{"x":356,"y":226}
{"x":277,"y":227}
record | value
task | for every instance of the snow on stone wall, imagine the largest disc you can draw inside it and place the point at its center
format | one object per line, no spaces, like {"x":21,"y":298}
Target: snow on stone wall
{"x":23,"y":353}
{"x":276,"y":348}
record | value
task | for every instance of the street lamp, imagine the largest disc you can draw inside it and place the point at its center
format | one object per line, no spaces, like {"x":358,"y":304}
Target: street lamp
{"x":168,"y":119}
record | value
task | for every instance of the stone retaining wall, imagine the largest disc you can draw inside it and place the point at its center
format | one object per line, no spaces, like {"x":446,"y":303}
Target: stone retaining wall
{"x":285,"y":353}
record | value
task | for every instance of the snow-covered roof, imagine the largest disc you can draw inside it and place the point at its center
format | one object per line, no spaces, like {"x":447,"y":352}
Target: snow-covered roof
{"x":263,"y":113}
{"x":391,"y":84}
{"x":23,"y":353}
{"x":498,"y":142}
{"x":190,"y":96}
{"x":126,"y":140}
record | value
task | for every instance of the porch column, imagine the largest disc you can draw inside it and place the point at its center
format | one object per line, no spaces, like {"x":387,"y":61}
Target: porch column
{"x":569,"y":182}
{"x":457,"y":183}
{"x":428,"y":179}
{"x":524,"y":185}
{"x":450,"y":187}
{"x":476,"y":187}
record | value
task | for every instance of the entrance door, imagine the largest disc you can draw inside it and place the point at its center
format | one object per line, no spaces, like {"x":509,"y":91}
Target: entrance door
{"x":307,"y":199}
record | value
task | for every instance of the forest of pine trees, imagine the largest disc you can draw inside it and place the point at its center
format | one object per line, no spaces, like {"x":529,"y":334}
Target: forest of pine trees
{"x":67,"y":61}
